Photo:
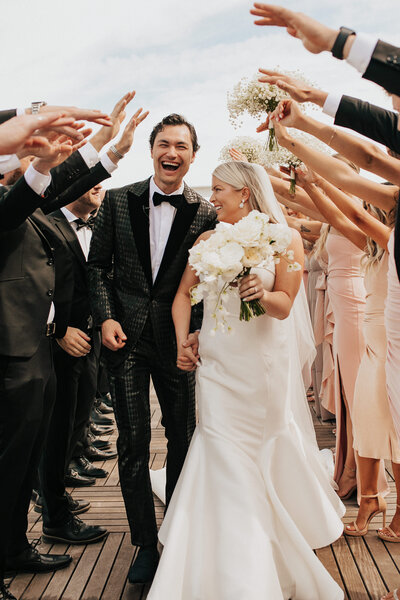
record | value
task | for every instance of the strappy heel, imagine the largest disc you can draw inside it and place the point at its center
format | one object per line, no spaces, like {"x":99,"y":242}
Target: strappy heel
{"x":389,"y":538}
{"x":356,"y":532}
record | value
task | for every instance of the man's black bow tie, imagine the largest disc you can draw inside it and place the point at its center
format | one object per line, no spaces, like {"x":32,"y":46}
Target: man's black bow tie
{"x":81,"y":223}
{"x":175,"y":200}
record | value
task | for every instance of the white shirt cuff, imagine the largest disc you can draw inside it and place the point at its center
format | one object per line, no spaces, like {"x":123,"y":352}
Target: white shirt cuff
{"x":89,"y":155}
{"x":9,"y":162}
{"x":108,"y":164}
{"x":331,"y":105}
{"x":20,"y":111}
{"x":361,"y":51}
{"x":37,"y":181}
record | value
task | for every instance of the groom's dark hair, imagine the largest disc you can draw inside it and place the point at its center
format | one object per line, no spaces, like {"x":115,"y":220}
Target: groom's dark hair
{"x":174,"y":119}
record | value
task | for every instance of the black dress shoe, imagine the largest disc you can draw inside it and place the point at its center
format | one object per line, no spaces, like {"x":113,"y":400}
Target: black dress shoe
{"x":5,"y":593}
{"x":145,"y":566}
{"x":94,"y":454}
{"x":101,"y":429}
{"x":74,"y":532}
{"x":93,"y":440}
{"x":30,"y":561}
{"x":73,"y":479}
{"x":104,"y":408}
{"x":100,"y":419}
{"x":76,"y":507}
{"x":85,"y":468}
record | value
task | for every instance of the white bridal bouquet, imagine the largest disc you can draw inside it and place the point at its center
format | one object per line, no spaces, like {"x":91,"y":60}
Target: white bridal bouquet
{"x":229,"y":253}
{"x":257,"y":99}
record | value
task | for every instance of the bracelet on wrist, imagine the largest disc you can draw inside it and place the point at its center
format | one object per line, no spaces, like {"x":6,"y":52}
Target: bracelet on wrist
{"x":337,"y":48}
{"x":116,"y":153}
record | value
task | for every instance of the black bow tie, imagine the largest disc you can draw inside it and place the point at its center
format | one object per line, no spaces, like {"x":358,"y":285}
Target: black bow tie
{"x":175,"y":200}
{"x":81,"y":223}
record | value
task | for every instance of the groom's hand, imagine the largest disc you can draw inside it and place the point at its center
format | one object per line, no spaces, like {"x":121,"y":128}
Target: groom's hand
{"x":188,"y":357}
{"x":112,"y":335}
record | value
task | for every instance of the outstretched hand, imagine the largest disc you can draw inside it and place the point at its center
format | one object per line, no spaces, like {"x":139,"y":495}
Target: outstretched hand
{"x":298,"y":90}
{"x":315,"y":36}
{"x":125,"y":143}
{"x":287,"y":113}
{"x":29,"y":131}
{"x":237,"y":155}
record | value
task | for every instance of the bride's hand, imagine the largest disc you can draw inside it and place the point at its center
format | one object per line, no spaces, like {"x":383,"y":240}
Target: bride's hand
{"x":251,"y":288}
{"x":188,"y":357}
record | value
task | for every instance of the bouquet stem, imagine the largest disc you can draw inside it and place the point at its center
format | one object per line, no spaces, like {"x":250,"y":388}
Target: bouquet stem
{"x":251,"y":309}
{"x":292,"y":188}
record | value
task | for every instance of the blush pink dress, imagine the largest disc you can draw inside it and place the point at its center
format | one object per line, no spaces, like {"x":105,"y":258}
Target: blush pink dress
{"x":392,"y":322}
{"x":347,"y":296}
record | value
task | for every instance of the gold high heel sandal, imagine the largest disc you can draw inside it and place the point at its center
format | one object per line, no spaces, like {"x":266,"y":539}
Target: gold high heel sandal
{"x":389,"y":538}
{"x":356,"y":532}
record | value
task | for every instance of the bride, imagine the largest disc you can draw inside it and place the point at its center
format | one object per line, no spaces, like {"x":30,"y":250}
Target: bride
{"x":253,"y":498}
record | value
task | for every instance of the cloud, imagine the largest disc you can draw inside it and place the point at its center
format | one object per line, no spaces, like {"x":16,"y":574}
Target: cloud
{"x":179,"y":56}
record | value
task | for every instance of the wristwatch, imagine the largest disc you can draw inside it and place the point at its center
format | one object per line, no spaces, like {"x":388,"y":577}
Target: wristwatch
{"x":116,"y":153}
{"x":337,"y":48}
{"x":36,"y":106}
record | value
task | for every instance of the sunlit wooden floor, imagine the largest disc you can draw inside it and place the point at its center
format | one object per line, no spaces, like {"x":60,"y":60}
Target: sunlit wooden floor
{"x":363,"y":567}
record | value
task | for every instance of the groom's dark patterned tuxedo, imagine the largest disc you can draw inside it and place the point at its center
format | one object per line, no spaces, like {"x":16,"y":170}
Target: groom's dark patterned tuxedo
{"x":122,"y":288}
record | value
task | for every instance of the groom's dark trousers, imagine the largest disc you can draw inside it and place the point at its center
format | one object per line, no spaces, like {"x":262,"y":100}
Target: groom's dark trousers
{"x":121,"y":287}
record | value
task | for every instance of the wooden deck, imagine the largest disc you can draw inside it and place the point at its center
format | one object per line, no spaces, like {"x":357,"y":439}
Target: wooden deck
{"x":363,"y":567}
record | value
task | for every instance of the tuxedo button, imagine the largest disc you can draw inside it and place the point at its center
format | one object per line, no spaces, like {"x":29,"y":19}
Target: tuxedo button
{"x":50,"y":262}
{"x":50,"y":292}
{"x":393,"y":59}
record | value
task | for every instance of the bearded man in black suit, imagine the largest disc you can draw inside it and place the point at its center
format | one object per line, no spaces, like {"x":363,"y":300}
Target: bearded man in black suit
{"x":139,"y":251}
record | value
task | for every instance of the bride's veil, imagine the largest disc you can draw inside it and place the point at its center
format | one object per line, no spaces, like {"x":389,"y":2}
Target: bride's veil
{"x":302,"y":346}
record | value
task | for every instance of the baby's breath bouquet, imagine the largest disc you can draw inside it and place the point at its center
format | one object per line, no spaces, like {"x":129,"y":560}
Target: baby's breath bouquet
{"x":229,"y":254}
{"x":257,"y":99}
{"x":252,"y":148}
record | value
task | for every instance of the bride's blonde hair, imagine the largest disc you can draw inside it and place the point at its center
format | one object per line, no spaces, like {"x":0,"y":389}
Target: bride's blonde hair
{"x":240,"y":175}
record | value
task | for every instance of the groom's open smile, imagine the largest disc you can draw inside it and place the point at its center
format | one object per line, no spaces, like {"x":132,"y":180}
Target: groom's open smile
{"x":172,"y":155}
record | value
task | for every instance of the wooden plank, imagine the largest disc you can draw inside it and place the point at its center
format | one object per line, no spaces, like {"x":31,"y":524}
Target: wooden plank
{"x":118,"y":576}
{"x":366,"y":566}
{"x":100,"y":574}
{"x":84,"y":568}
{"x":348,"y":569}
{"x":60,"y":579}
{"x":327,"y":557}
{"x":387,"y":568}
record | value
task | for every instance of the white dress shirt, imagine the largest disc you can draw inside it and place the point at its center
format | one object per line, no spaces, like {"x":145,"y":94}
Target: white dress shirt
{"x":359,"y":57}
{"x":84,"y":234}
{"x":161,"y":219}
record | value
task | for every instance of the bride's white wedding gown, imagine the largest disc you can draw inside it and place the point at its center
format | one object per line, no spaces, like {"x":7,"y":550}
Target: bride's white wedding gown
{"x":253,"y":498}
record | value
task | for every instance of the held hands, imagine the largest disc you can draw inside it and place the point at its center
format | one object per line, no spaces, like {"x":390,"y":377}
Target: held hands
{"x":315,"y":36}
{"x":188,"y":353}
{"x":75,"y":342}
{"x":251,"y":288}
{"x":112,"y":335}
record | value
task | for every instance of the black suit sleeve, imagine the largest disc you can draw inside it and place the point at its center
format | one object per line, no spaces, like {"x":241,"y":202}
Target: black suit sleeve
{"x":372,"y":121}
{"x":384,"y":67}
{"x":5,"y":115}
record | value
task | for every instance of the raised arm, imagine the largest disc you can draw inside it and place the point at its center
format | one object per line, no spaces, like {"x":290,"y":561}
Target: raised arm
{"x":364,"y":154}
{"x":328,"y":208}
{"x":299,"y":202}
{"x":338,"y":173}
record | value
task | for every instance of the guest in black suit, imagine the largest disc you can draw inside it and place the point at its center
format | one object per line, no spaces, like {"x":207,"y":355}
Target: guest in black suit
{"x":378,"y":61}
{"x":76,"y":353}
{"x":36,"y":285}
{"x":142,"y":234}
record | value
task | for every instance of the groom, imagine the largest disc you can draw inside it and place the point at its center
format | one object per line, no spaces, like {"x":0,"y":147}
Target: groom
{"x":138,"y":253}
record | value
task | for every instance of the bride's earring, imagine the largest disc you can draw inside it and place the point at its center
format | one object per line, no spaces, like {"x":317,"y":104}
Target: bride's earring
{"x":241,"y":205}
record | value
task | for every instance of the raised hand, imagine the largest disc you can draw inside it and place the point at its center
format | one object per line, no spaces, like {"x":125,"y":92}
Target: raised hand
{"x":237,"y":155}
{"x":125,"y":142}
{"x":79,"y":114}
{"x":59,"y":150}
{"x":297,"y":89}
{"x":25,"y":131}
{"x":315,"y":36}
{"x":304,"y":175}
{"x":111,"y":130}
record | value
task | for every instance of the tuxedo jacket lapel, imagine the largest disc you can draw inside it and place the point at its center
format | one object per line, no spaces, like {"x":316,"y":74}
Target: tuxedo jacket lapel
{"x":62,"y":224}
{"x":139,"y":216}
{"x":180,"y":226}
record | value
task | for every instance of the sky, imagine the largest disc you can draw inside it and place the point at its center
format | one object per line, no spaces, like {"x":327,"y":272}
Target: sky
{"x":179,"y":55}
